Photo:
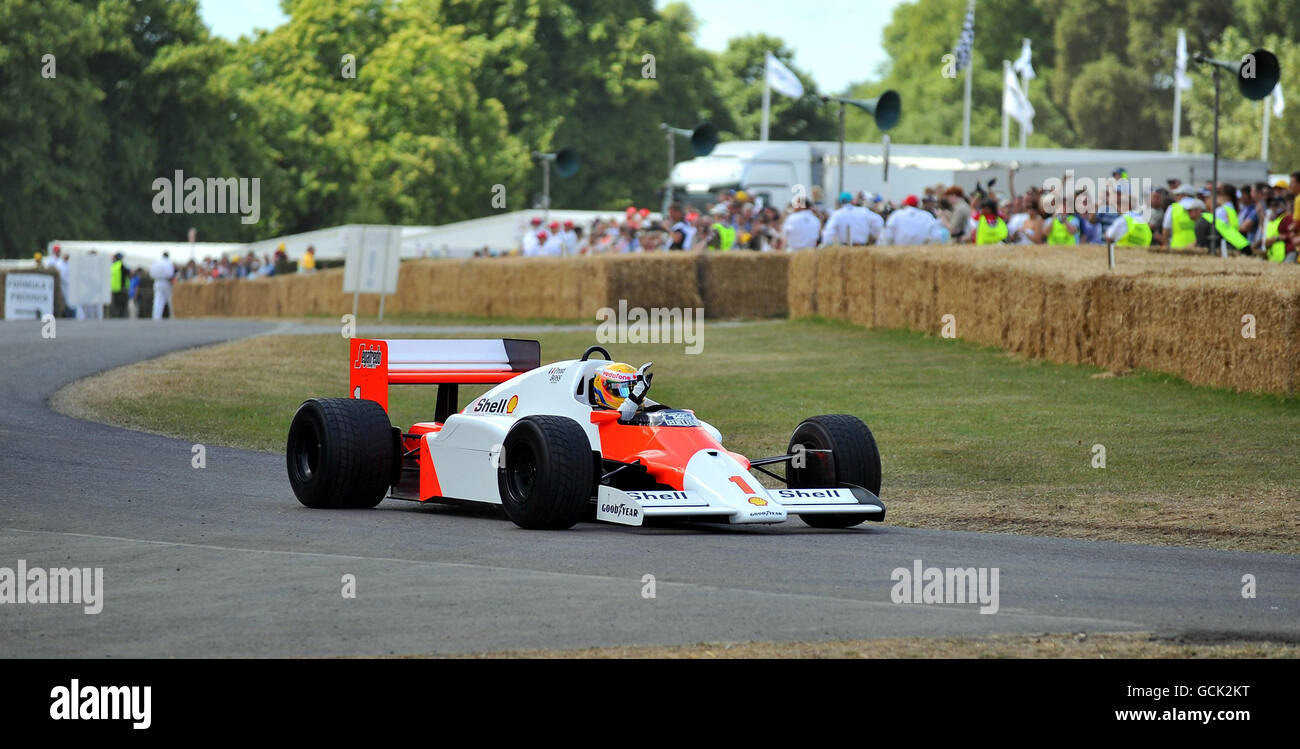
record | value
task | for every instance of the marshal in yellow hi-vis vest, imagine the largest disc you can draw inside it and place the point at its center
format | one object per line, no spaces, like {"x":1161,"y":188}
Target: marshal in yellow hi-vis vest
{"x":986,"y":233}
{"x":1276,"y":247}
{"x":115,"y":277}
{"x":726,"y":237}
{"x":1182,"y":227}
{"x":1138,"y":233}
{"x":1228,"y":229}
{"x":1060,"y":232}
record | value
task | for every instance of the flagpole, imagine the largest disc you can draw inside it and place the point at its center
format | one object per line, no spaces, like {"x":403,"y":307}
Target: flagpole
{"x":965,"y":119}
{"x":1024,"y":84}
{"x":1178,"y":114}
{"x":1263,"y":141}
{"x":767,"y":93}
{"x":1006,"y":115}
{"x":1178,"y":105}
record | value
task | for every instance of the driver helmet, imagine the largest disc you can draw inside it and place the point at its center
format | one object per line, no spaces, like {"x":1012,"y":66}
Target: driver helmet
{"x":612,"y":384}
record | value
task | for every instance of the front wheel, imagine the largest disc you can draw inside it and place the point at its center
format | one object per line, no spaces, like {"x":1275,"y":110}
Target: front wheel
{"x":837,"y":449}
{"x":545,"y":473}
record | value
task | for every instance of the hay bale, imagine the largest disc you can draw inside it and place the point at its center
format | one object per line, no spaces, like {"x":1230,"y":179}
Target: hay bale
{"x":860,"y":286}
{"x":670,"y":279}
{"x":906,"y":290}
{"x":801,"y":286}
{"x":1180,"y":314}
{"x":744,"y":284}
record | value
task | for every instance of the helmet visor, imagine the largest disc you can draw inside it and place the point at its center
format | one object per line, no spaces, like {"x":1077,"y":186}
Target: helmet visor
{"x":618,"y":388}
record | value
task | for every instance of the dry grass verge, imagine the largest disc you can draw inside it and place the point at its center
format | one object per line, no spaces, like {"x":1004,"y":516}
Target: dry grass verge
{"x":1054,"y":645}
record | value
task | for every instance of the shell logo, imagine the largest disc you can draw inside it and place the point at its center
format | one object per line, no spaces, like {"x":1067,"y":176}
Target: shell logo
{"x":514,"y":401}
{"x":759,"y":501}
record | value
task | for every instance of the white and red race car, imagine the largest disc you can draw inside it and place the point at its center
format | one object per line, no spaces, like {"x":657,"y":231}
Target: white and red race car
{"x":536,"y":444}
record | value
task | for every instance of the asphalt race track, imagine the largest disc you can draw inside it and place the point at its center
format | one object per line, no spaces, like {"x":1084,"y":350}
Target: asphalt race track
{"x":223,"y":561}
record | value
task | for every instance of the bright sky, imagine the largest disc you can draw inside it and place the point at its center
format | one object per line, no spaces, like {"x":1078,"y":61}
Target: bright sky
{"x":837,"y":41}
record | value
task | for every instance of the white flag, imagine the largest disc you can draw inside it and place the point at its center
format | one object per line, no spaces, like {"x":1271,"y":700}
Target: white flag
{"x":1015,"y":103}
{"x":1022,"y":64}
{"x":1180,"y":63}
{"x":782,"y":79}
{"x":1278,"y":103}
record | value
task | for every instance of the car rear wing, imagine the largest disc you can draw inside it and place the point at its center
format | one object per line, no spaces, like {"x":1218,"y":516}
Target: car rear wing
{"x":447,"y":362}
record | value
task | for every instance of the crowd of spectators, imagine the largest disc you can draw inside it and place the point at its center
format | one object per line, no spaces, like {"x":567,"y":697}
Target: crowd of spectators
{"x":1251,"y":220}
{"x":1255,"y":220}
{"x":131,"y":296}
{"x":245,"y":266}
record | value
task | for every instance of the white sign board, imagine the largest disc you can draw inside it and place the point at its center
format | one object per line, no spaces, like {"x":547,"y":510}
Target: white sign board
{"x":88,"y":281}
{"x":372,"y":258}
{"x":28,"y":296}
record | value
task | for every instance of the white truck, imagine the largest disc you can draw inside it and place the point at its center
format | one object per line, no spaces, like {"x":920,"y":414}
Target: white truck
{"x":776,"y":171}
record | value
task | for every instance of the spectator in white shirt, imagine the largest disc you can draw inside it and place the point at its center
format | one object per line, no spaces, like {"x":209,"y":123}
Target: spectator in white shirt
{"x":848,"y":225}
{"x":162,"y":272}
{"x":534,"y":248}
{"x":872,"y":204}
{"x":59,"y":262}
{"x":909,"y":225}
{"x":570,"y":239}
{"x":554,"y":245}
{"x":801,"y":228}
{"x":528,"y":246}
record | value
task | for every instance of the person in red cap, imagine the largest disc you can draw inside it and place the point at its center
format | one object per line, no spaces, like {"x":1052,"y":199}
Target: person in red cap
{"x":644,"y":212}
{"x":570,"y":239}
{"x":59,"y":262}
{"x":534,"y":248}
{"x":530,"y":244}
{"x":555,"y":244}
{"x":910,"y":225}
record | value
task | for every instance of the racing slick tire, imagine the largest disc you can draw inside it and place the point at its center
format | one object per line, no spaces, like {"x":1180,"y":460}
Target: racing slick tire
{"x":341,"y":453}
{"x":545,"y":473}
{"x":853,"y":459}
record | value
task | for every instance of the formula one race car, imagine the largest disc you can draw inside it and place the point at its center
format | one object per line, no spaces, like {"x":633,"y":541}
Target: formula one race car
{"x":553,"y":445}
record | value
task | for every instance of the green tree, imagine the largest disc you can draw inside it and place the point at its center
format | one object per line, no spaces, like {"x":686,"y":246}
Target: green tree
{"x":740,"y":72}
{"x":1240,"y":119}
{"x":437,"y":150}
{"x":293,"y":79}
{"x":574,"y":74}
{"x":918,"y":39}
{"x":52,"y":156}
{"x":132,"y":98}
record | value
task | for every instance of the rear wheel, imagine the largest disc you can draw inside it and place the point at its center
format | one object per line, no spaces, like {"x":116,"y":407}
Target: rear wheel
{"x":341,"y":453}
{"x":852,"y":459}
{"x":545,"y":473}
